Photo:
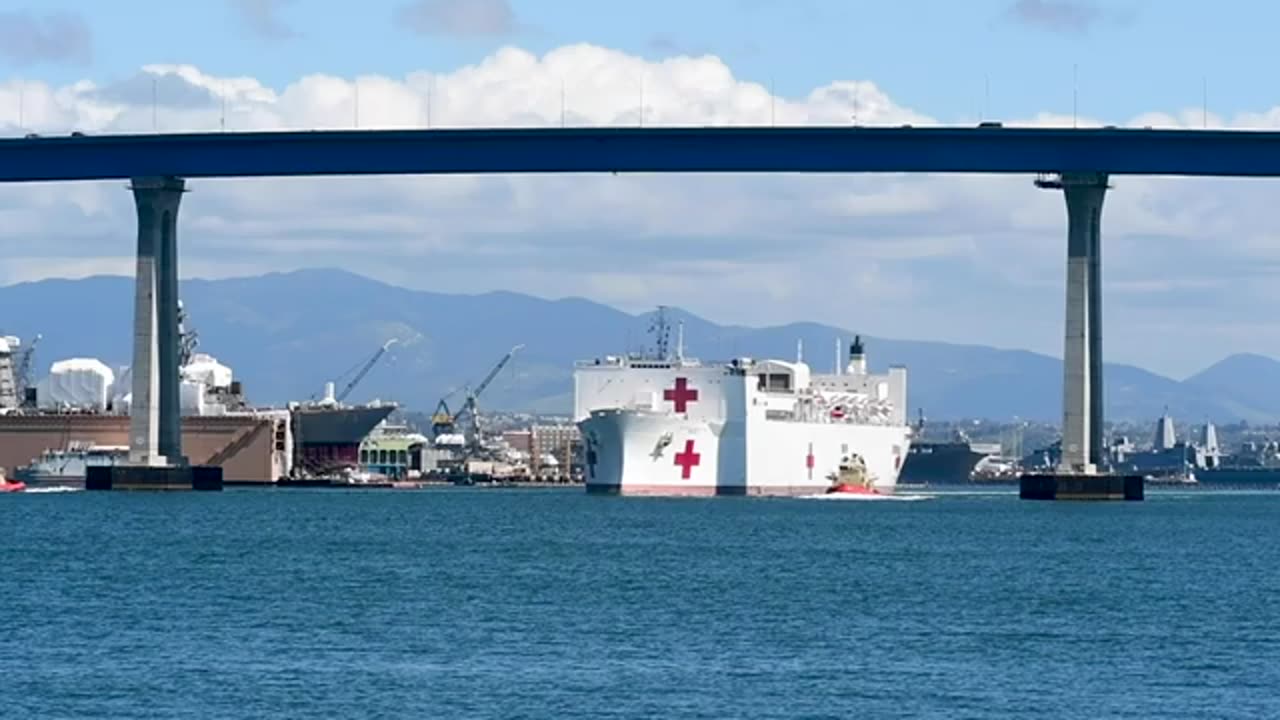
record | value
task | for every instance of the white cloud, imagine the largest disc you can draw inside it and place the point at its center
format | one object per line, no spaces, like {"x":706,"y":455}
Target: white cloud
{"x":961,"y":258}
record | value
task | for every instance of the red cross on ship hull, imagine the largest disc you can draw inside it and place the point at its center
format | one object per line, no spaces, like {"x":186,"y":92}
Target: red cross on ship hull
{"x":681,"y":395}
{"x":687,"y":460}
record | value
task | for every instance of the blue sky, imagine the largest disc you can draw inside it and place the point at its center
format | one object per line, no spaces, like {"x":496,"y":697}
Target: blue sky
{"x":1131,"y":56}
{"x":962,"y":259}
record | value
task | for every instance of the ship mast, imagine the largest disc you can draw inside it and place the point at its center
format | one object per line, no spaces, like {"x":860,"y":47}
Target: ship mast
{"x":662,"y":334}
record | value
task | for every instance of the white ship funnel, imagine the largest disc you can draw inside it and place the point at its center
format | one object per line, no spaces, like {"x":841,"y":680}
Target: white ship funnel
{"x":329,"y":398}
{"x":857,"y":357}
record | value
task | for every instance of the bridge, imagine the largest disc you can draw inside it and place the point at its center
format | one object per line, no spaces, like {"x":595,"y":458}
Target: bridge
{"x":644,"y":150}
{"x":1076,"y":161}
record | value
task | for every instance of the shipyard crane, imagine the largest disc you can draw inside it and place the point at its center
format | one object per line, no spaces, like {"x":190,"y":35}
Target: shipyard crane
{"x":188,"y":339}
{"x":22,"y":374}
{"x":364,"y":370}
{"x":443,"y":421}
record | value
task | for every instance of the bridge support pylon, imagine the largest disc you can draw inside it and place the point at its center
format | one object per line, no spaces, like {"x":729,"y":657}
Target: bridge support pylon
{"x":156,"y":461}
{"x":1078,"y":473}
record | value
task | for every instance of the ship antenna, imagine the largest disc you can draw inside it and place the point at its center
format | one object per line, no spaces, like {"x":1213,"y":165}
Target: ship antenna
{"x":680,"y":341}
{"x":839,"y":353}
{"x":800,"y":350}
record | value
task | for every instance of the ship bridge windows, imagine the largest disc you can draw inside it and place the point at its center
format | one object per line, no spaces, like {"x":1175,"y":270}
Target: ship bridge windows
{"x":774,"y":382}
{"x":781,"y":377}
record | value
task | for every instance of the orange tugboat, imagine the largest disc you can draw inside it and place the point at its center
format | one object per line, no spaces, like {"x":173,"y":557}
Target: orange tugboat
{"x":8,"y":486}
{"x":852,"y":478}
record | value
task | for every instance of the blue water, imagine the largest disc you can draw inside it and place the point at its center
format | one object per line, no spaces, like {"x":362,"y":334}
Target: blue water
{"x":553,"y":604}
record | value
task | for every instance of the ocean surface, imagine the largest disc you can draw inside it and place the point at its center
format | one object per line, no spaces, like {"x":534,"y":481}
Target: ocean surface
{"x":481,"y":603}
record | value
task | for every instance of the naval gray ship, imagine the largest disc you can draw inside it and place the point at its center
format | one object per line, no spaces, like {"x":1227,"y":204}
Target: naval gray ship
{"x":1253,"y":465}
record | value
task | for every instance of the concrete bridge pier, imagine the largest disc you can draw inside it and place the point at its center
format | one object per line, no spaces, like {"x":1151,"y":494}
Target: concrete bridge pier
{"x":155,"y":437}
{"x":1077,"y":475}
{"x":156,"y":461}
{"x":1082,"y":407}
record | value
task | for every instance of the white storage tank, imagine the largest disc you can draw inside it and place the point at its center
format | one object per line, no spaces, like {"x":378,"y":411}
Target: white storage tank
{"x":451,"y":440}
{"x":122,"y":391}
{"x":192,"y":397}
{"x":83,"y":383}
{"x":207,"y":370}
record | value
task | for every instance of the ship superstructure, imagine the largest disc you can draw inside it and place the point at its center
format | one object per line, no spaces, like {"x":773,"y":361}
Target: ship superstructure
{"x":935,"y":461}
{"x":66,"y":467}
{"x":670,"y":425}
{"x":1254,"y":463}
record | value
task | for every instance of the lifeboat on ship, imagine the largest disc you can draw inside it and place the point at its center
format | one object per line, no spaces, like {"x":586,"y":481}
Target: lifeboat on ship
{"x":852,"y":478}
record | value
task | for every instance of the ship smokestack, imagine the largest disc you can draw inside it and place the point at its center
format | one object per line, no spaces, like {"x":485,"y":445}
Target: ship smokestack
{"x":857,"y":357}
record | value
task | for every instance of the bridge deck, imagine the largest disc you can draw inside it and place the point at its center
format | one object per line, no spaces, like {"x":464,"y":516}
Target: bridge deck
{"x":644,"y":150}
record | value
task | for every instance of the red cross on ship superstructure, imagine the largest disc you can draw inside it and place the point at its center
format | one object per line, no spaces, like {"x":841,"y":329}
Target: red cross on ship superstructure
{"x":687,"y":460}
{"x":681,"y":395}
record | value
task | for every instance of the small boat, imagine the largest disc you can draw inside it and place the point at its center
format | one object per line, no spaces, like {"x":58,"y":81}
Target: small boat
{"x":852,"y":478}
{"x":67,"y":467}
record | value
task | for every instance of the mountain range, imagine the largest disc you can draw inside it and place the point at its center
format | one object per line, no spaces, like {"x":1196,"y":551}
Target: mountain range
{"x":286,"y":334}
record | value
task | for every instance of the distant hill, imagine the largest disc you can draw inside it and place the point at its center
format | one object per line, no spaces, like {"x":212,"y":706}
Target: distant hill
{"x":1244,"y":379}
{"x":286,"y":334}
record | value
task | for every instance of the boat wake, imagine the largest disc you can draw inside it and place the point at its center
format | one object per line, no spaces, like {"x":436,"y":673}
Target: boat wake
{"x":42,"y":490}
{"x":867,"y":497}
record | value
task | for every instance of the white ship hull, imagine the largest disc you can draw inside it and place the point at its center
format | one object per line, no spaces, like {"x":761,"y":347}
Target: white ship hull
{"x":636,"y":452}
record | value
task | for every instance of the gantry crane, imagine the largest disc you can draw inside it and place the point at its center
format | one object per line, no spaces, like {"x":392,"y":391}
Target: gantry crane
{"x":365,"y":369}
{"x":444,"y":422}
